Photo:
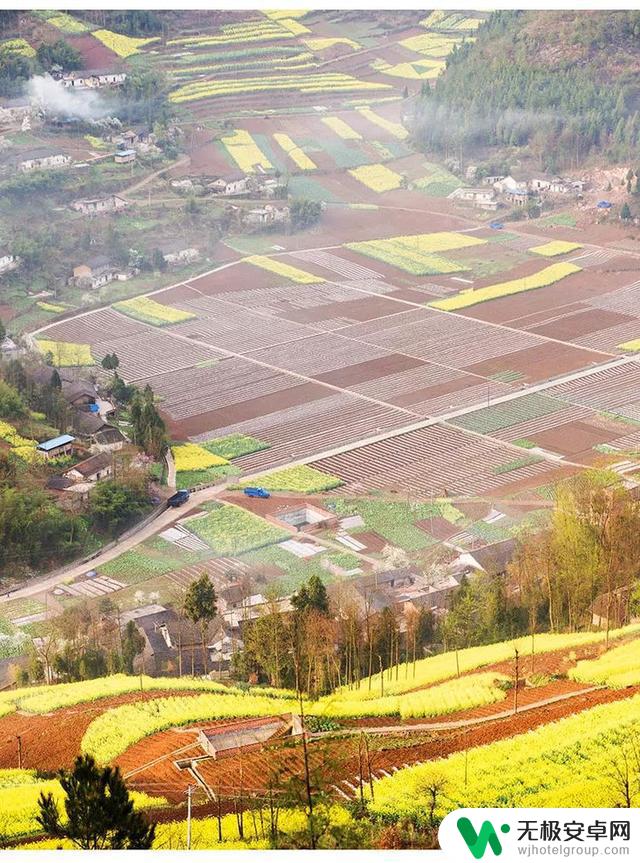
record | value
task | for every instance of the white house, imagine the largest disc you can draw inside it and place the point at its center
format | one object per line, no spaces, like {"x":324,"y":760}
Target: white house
{"x":230,"y":185}
{"x":8,"y":349}
{"x":554,"y":185}
{"x":44,"y":161}
{"x":98,"y":271}
{"x":483,"y":198}
{"x":177,"y":257}
{"x":97,"y":206}
{"x":15,"y":111}
{"x":267,"y":215}
{"x":90,"y":79}
{"x":8,"y":262}
{"x":515,"y":192}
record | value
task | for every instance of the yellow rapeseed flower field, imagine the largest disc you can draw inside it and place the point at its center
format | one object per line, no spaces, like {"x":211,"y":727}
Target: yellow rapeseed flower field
{"x":286,"y":270}
{"x":123,"y":46}
{"x":293,"y":26}
{"x":418,"y":70}
{"x":618,"y":668}
{"x":377,"y":177}
{"x":396,"y":129}
{"x":322,"y":43}
{"x":245,"y":152}
{"x":67,"y":353}
{"x":542,"y":279}
{"x":317,"y":82}
{"x":151,"y":312}
{"x":342,"y":129}
{"x":555,"y":247}
{"x":631,"y":347}
{"x":190,"y":456}
{"x":294,"y":152}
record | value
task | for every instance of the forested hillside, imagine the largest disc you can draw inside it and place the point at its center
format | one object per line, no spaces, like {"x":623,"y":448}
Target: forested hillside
{"x":566,"y":84}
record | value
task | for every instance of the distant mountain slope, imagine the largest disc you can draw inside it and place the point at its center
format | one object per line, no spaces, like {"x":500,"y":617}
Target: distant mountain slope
{"x":566,"y":84}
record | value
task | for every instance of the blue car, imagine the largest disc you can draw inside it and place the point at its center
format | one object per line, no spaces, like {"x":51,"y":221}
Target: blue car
{"x":256,"y":491}
{"x":497,"y":226}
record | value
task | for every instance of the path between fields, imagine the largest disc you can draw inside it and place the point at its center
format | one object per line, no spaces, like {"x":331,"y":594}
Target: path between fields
{"x":456,"y":723}
{"x":125,"y":193}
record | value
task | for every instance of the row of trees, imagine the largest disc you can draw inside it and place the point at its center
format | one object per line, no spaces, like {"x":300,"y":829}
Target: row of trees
{"x":585,"y":563}
{"x":318,"y":646}
{"x":82,"y":643}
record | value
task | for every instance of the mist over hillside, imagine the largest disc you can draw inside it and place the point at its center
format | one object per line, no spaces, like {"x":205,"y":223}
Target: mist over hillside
{"x":564,"y":84}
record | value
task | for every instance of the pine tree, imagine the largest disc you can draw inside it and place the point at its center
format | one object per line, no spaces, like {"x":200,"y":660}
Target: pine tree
{"x":312,"y":596}
{"x":99,"y":812}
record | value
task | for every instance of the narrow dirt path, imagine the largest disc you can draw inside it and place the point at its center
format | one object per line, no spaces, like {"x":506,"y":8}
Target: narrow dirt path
{"x":130,"y":190}
{"x":458,"y":723}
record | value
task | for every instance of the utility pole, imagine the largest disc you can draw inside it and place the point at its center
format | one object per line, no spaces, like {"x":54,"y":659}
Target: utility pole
{"x":517,"y":681}
{"x":19,"y":739}
{"x":466,"y":757}
{"x":189,"y":794}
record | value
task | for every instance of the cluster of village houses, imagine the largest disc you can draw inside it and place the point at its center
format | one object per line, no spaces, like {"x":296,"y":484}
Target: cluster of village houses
{"x":495,"y":191}
{"x":94,"y":437}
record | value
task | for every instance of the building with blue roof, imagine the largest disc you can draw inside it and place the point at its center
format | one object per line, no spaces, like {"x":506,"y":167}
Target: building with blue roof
{"x":57,"y":446}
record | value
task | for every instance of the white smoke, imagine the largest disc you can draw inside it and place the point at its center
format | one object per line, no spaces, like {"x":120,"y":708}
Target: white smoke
{"x":54,"y":99}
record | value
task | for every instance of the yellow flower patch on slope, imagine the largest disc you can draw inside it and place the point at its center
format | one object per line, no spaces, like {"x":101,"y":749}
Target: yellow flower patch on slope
{"x":67,"y":353}
{"x":396,"y":129}
{"x":123,"y":46}
{"x":555,"y":247}
{"x":190,"y":456}
{"x":151,"y":312}
{"x":377,"y":177}
{"x":245,"y":152}
{"x":342,"y":129}
{"x":542,"y":279}
{"x":282,"y":269}
{"x":294,"y":152}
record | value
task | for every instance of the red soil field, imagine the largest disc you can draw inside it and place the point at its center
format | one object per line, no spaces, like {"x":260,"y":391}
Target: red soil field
{"x":52,"y":741}
{"x":581,"y":323}
{"x":541,"y":362}
{"x":94,"y":53}
{"x":575,"y":288}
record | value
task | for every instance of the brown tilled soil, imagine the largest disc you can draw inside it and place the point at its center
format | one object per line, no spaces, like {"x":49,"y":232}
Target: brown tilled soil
{"x":52,"y":741}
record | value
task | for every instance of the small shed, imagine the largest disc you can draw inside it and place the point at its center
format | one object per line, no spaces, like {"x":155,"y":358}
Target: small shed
{"x":228,"y":739}
{"x":57,"y":446}
{"x":123,"y":156}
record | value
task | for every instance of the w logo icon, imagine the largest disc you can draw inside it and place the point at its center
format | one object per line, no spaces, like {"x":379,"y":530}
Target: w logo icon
{"x":477,"y":842}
